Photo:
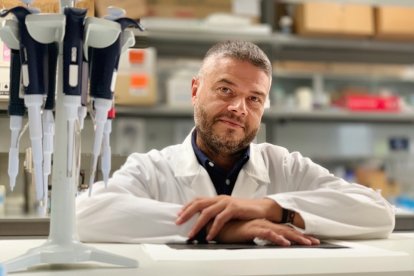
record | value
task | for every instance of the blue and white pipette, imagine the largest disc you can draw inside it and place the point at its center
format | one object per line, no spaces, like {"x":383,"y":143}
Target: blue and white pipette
{"x":16,"y":112}
{"x":48,"y":120}
{"x":72,"y":77}
{"x":126,"y":41}
{"x":47,"y":29}
{"x":9,"y":34}
{"x":32,"y":56}
{"x":104,"y":66}
{"x":100,"y":34}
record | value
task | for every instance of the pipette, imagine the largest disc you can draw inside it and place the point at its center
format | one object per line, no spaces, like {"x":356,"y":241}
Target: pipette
{"x":32,"y":55}
{"x":114,"y":13}
{"x":72,"y":76}
{"x":48,"y":30}
{"x":9,"y":34}
{"x":100,"y":33}
{"x":16,"y":112}
{"x":104,"y":65}
{"x":48,"y":121}
{"x":106,"y":147}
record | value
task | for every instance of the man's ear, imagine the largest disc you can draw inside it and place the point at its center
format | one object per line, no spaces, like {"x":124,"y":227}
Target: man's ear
{"x":195,"y":82}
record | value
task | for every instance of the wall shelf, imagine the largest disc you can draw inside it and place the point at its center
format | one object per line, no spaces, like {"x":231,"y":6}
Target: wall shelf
{"x":163,"y":111}
{"x":179,"y":42}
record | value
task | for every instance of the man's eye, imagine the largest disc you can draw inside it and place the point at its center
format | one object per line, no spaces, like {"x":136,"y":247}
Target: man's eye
{"x":255,"y":99}
{"x":224,"y":90}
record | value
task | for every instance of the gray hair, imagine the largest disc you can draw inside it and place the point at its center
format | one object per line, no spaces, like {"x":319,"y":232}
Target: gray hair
{"x":241,"y":50}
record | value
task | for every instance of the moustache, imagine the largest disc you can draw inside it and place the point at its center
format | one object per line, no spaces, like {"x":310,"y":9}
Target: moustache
{"x":230,"y":116}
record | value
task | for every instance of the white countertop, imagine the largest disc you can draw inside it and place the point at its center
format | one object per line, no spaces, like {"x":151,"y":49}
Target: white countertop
{"x":393,"y":256}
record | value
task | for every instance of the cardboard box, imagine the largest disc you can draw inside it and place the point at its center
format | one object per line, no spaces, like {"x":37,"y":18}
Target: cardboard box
{"x":52,"y":6}
{"x":394,"y":22}
{"x":137,"y":81}
{"x":135,"y":9}
{"x":377,"y":180}
{"x":323,"y":18}
{"x":187,"y":8}
{"x":135,"y":89}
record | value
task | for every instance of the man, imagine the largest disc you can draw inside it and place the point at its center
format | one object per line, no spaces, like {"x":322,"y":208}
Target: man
{"x":220,"y":186}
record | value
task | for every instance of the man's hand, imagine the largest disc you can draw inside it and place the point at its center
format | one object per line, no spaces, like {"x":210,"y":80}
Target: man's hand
{"x":217,"y":211}
{"x":279,"y":234}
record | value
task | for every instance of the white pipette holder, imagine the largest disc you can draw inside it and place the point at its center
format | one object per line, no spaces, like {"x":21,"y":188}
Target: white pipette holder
{"x":62,"y":245}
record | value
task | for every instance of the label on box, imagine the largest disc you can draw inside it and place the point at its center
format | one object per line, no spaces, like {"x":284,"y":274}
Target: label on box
{"x":138,"y":85}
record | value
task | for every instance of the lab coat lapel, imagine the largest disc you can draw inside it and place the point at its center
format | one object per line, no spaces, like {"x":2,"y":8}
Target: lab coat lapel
{"x":191,"y":172}
{"x":253,"y":178}
{"x":202,"y":184}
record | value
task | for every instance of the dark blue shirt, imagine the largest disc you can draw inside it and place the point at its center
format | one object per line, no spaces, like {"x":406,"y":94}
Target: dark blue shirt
{"x":223,"y":181}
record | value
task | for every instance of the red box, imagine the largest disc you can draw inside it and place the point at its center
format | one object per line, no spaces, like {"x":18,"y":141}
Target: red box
{"x":370,"y":103}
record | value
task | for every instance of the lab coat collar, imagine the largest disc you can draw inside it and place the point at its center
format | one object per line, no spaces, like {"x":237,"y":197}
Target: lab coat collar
{"x":256,"y":166}
{"x":187,"y":163}
{"x":187,"y":166}
{"x":253,"y":173}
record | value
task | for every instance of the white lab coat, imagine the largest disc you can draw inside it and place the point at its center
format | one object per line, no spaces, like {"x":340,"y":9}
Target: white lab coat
{"x":144,"y":196}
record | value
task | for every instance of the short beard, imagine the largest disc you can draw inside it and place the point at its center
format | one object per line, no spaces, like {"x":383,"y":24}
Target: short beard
{"x":216,"y":143}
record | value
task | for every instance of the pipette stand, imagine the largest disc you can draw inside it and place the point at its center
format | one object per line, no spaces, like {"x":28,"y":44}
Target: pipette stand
{"x":62,"y":245}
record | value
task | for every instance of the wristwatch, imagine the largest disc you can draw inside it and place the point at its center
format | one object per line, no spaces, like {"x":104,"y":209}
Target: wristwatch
{"x":287,"y":216}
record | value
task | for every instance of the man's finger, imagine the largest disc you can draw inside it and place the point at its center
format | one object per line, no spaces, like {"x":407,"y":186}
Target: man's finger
{"x":219,"y":221}
{"x":191,"y":209}
{"x":297,"y":237}
{"x":269,"y":235}
{"x":206,"y":215}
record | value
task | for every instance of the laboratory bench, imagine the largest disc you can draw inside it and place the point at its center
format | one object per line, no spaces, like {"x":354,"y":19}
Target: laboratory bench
{"x":392,"y":256}
{"x":32,"y":226}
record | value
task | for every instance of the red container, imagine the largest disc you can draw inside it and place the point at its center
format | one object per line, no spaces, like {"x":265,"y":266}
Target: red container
{"x":368,"y":102}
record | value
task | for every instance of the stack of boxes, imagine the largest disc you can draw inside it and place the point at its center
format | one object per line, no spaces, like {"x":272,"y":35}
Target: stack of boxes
{"x":355,"y":20}
{"x":136,"y":82}
{"x":51,"y":6}
{"x":323,"y":18}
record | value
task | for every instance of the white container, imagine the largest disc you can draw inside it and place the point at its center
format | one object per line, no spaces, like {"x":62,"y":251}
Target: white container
{"x":304,"y":98}
{"x":179,"y":88}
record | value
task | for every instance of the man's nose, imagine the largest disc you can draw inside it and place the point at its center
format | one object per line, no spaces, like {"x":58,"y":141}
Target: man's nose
{"x":238,"y":106}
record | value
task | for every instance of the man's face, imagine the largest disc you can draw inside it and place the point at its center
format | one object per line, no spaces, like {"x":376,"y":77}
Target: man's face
{"x":228,"y":101}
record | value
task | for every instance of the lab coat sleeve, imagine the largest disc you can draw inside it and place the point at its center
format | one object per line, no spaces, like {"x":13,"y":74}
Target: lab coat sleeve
{"x":330,"y":206}
{"x":129,"y":209}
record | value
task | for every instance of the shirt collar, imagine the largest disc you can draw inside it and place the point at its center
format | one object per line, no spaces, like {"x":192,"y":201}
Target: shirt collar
{"x":204,"y":160}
